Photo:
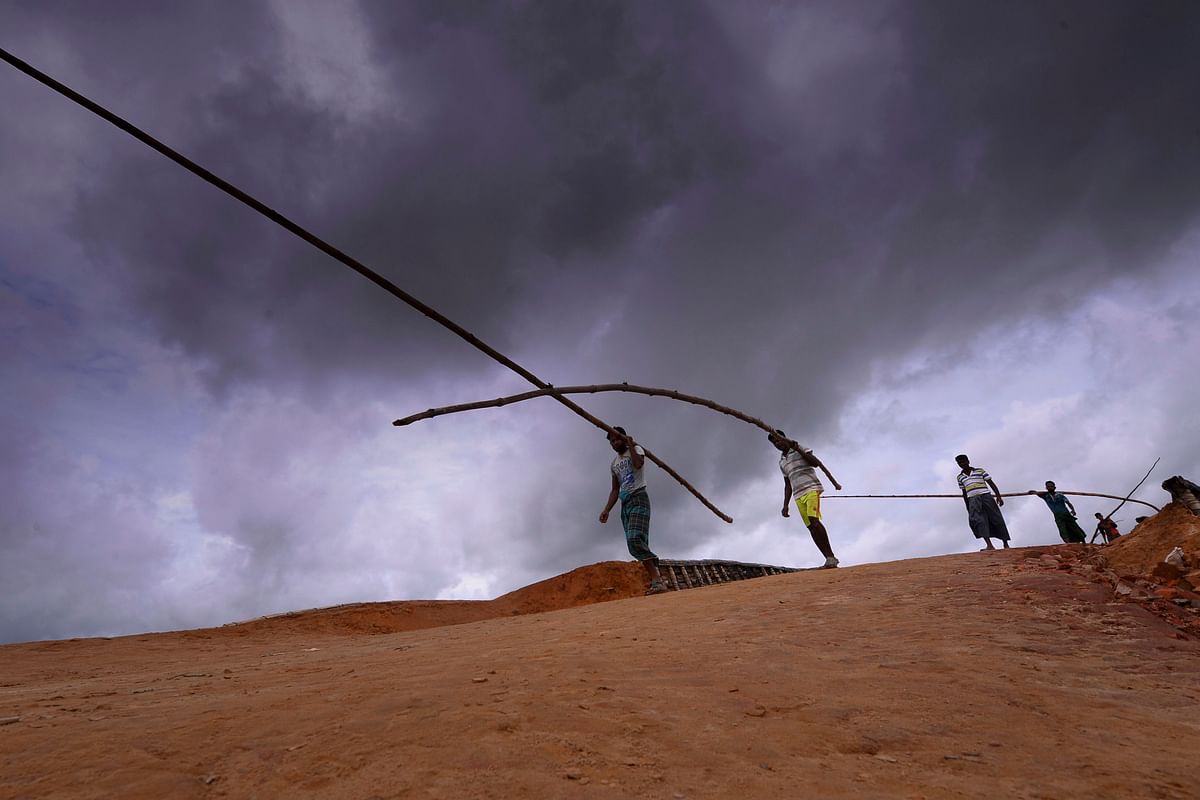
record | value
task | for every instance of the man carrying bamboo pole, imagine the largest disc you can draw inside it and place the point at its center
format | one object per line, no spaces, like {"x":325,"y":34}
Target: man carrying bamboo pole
{"x":801,"y":484}
{"x":983,"y":510}
{"x":1064,"y":514}
{"x":629,"y":484}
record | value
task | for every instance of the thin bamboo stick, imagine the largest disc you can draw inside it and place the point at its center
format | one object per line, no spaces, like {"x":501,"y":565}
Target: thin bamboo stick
{"x":1127,"y":497}
{"x":1003,"y":494}
{"x":678,"y":479}
{"x":333,"y":252}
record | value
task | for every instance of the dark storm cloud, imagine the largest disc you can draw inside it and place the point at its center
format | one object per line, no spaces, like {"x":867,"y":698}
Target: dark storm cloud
{"x":1061,"y":118}
{"x":543,"y":135}
{"x":1019,"y":153}
{"x":521,"y":135}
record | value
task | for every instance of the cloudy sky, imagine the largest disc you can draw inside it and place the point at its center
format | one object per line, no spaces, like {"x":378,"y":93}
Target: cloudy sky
{"x":897,"y":230}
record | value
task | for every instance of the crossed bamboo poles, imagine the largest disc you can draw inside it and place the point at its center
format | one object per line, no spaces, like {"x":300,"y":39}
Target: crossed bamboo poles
{"x":338,"y":255}
{"x":591,"y":389}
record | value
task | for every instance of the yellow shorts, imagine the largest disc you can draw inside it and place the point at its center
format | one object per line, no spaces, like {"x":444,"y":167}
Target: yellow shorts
{"x":809,"y":506}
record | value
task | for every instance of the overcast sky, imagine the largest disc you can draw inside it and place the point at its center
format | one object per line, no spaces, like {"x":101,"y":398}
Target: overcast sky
{"x":899,"y":231}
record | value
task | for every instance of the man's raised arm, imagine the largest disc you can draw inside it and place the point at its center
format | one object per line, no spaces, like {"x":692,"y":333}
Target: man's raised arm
{"x":812,"y":459}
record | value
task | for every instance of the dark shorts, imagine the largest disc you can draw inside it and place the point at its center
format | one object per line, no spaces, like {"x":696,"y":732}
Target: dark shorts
{"x":635,"y":518}
{"x":985,"y":518}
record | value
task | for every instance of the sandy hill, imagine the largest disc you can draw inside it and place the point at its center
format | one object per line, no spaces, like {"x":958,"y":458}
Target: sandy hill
{"x":609,"y":580}
{"x":1015,"y":674}
{"x":1147,"y":545}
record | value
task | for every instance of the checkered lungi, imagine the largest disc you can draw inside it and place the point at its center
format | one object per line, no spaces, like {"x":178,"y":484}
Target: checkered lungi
{"x":635,"y":518}
{"x":985,"y":518}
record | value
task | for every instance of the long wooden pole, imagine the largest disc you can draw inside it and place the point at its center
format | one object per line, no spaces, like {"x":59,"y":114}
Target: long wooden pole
{"x":1126,"y":498}
{"x":430,"y":413}
{"x":333,"y":252}
{"x":1003,"y":494}
{"x":591,"y":389}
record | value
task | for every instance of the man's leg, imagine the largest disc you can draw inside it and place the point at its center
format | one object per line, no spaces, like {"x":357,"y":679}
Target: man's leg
{"x":651,"y":567}
{"x":809,"y":506}
{"x":635,"y":517}
{"x":994,"y":521}
{"x":978,"y":519}
{"x":978,"y":522}
{"x":820,"y":537}
{"x":640,"y":550}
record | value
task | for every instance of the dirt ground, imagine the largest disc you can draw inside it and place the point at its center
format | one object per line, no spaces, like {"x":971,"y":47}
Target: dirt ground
{"x":1148,"y":543}
{"x":980,"y":675}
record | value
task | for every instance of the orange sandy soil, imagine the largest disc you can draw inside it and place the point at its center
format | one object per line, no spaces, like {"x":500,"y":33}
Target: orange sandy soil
{"x":1149,"y":543}
{"x":979,"y":675}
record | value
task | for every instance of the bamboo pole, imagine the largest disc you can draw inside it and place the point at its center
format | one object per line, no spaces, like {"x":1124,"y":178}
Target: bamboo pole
{"x":1127,"y":497}
{"x":334,"y":253}
{"x":591,"y":389}
{"x":1003,"y":494}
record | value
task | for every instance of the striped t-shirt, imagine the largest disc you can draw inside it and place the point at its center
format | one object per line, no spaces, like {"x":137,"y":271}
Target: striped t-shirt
{"x":801,"y":474}
{"x":974,"y":482}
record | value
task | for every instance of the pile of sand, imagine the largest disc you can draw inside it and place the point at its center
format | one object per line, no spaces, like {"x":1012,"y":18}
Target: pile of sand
{"x":1143,"y":548}
{"x":608,"y":580}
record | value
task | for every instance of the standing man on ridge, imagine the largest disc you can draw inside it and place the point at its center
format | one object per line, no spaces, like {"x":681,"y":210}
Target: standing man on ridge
{"x":983,"y":510}
{"x":1064,"y":514}
{"x":800,"y":482}
{"x":629,"y":484}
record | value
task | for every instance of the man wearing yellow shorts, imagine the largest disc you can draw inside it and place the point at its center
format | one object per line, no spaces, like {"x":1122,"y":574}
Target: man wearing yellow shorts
{"x":800,"y":482}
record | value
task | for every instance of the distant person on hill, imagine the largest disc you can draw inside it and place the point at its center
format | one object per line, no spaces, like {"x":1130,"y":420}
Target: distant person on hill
{"x":983,"y":510}
{"x":800,"y":482}
{"x":1106,"y":529}
{"x":1064,"y":514}
{"x":629,"y":484}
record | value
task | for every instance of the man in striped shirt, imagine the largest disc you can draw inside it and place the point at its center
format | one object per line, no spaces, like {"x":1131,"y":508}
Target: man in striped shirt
{"x":983,"y":510}
{"x":800,"y":482}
